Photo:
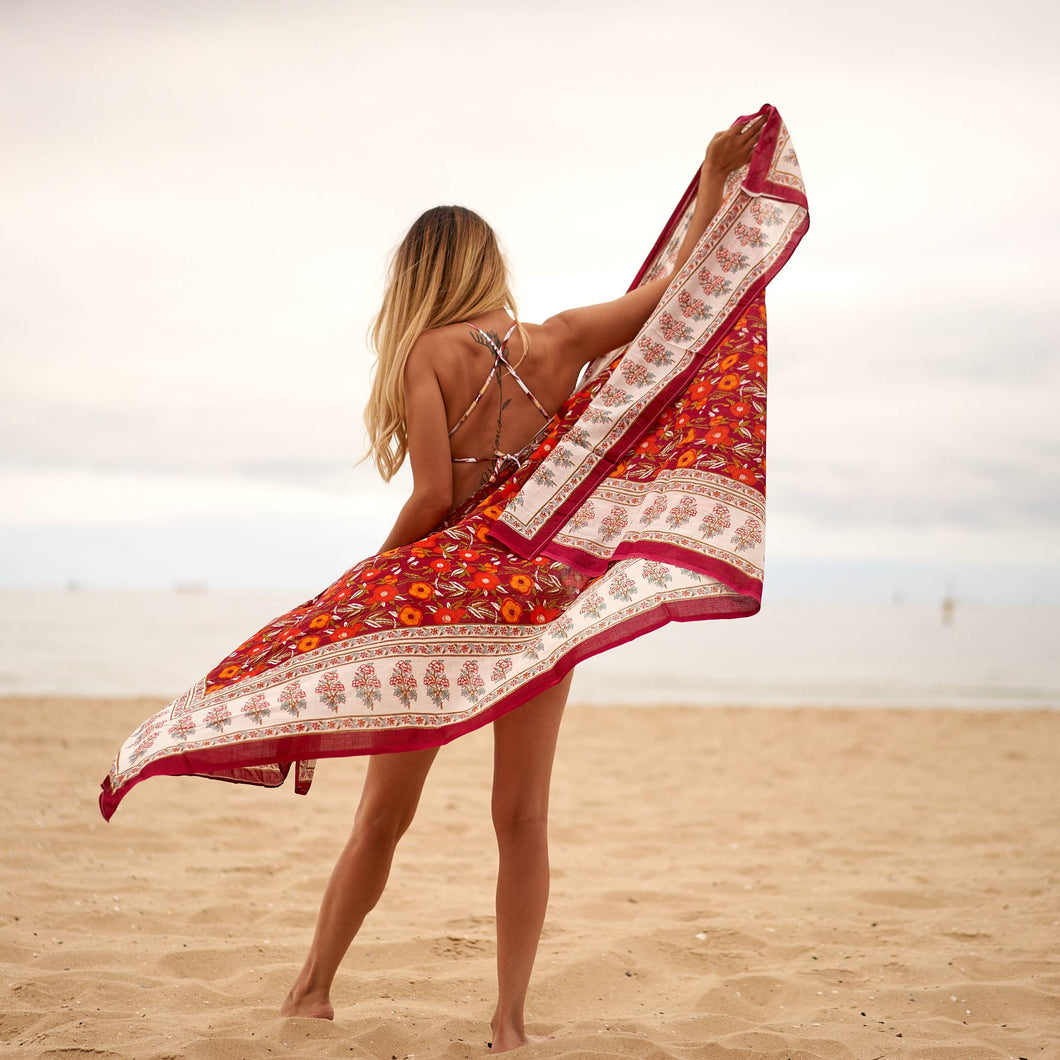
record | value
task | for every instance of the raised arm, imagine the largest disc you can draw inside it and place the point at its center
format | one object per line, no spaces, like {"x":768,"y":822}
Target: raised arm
{"x":591,"y":331}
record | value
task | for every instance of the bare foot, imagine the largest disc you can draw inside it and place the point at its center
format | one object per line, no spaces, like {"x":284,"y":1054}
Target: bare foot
{"x":307,"y":1006}
{"x":505,"y":1041}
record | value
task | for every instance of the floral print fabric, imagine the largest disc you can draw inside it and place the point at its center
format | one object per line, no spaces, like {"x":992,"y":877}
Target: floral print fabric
{"x":657,"y":513}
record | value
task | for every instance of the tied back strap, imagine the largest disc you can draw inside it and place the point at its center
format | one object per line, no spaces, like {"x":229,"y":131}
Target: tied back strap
{"x":515,"y":375}
{"x":499,"y":458}
{"x":498,"y":357}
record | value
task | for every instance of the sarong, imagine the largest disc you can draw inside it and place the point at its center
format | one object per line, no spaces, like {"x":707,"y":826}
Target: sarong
{"x":643,"y":502}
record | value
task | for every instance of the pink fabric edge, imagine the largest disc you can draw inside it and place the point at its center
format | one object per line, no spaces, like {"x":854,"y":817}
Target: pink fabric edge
{"x":689,"y":559}
{"x":290,"y":749}
{"x":539,"y":543}
{"x":754,"y":182}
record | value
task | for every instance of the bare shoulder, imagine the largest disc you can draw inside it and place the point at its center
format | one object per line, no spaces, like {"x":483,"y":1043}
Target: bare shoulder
{"x":563,"y":340}
{"x":430,"y":348}
{"x":550,"y":341}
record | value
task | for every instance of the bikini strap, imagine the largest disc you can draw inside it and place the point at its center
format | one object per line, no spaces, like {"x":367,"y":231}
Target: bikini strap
{"x":522,"y":386}
{"x":474,"y":401}
{"x":498,"y":358}
{"x":499,"y":354}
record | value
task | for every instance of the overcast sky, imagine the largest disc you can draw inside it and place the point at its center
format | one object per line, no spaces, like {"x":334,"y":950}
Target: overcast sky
{"x":199,"y":199}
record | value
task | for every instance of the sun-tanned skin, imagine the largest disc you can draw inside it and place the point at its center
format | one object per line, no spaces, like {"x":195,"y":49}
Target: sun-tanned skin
{"x":444,"y":371}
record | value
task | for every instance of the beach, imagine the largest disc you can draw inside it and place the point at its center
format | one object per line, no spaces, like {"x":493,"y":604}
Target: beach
{"x":796,"y":884}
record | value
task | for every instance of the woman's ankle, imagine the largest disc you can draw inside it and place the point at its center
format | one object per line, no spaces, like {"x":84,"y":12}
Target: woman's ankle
{"x":307,"y":1004}
{"x":510,"y":1021}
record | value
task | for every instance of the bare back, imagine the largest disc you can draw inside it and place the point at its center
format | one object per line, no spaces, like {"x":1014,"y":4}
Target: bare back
{"x":503,"y":419}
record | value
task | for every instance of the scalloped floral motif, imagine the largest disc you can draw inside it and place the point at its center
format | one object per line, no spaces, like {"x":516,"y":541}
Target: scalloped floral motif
{"x":747,"y":536}
{"x":331,"y":690}
{"x":613,"y":523}
{"x":404,"y":683}
{"x":367,"y":686}
{"x":713,"y":285}
{"x":730,"y":260}
{"x":292,"y":698}
{"x":695,"y":308}
{"x":654,"y":352}
{"x":749,"y":236}
{"x":436,"y":683}
{"x":715,"y":521}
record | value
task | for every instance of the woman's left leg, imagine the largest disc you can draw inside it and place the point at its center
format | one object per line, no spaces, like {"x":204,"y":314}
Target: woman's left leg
{"x":523,"y":750}
{"x":388,"y":803}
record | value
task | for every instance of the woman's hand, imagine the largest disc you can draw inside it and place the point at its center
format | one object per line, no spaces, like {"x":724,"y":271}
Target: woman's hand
{"x":590,"y":332}
{"x":732,"y":148}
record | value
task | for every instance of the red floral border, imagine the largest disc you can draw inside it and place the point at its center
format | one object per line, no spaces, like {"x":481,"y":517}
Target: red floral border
{"x":245,"y":756}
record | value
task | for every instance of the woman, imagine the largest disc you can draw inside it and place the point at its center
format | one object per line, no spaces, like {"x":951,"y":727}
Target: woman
{"x":461,"y":388}
{"x":541,"y":530}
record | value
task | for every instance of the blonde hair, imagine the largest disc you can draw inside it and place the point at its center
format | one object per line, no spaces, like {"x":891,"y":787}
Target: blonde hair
{"x":448,"y":268}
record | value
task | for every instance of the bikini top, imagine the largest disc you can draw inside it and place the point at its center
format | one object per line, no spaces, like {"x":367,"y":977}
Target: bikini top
{"x":499,"y":458}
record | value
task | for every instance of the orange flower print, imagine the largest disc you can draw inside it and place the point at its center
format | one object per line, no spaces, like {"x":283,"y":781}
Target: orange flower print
{"x":700,"y":392}
{"x":370,"y":574}
{"x":446,"y":616}
{"x":493,"y":511}
{"x":728,"y":362}
{"x":758,"y":348}
{"x":760,"y":430}
{"x":757,"y":364}
{"x":511,"y":610}
{"x":484,"y":580}
{"x":741,"y":474}
{"x":468,"y":555}
{"x":729,"y":382}
{"x":382,"y":593}
{"x":481,"y":532}
{"x":539,"y":561}
{"x":308,"y":643}
{"x":421,"y":590}
{"x":719,"y":436}
{"x":541,"y":615}
{"x":648,"y":446}
{"x":739,"y":409}
{"x":521,"y":583}
{"x":231,"y":670}
{"x":409,"y":615}
{"x":439,"y":566}
{"x":686,"y":458}
{"x":682,"y":420}
{"x":319,"y":621}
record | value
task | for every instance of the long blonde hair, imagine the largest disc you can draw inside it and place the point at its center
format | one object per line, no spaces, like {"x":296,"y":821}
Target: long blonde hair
{"x":448,"y":268}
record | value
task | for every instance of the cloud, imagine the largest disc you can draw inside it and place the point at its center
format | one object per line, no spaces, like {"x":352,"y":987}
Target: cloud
{"x":60,"y":496}
{"x":202,"y":197}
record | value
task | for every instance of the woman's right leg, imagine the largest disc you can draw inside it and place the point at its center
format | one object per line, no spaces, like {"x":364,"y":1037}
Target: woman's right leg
{"x":388,"y":803}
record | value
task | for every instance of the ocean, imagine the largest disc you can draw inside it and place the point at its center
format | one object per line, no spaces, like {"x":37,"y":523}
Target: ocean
{"x":132,"y":643}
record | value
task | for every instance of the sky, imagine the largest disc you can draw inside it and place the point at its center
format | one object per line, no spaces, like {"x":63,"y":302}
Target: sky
{"x":200,"y":198}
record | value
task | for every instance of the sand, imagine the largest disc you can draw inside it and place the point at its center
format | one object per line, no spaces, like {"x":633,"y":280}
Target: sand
{"x":760,"y":884}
